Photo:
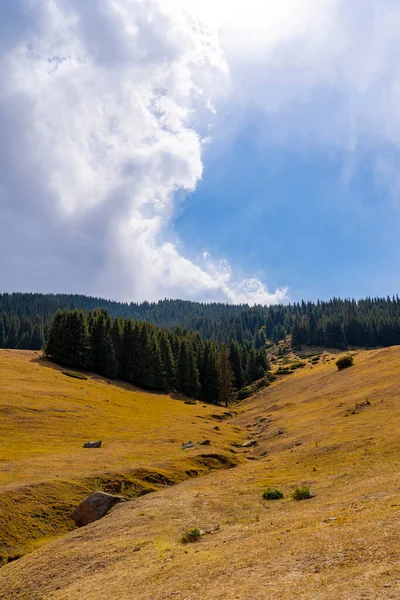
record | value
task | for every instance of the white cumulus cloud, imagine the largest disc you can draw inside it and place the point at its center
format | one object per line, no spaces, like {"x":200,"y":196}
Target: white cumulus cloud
{"x":104,"y":108}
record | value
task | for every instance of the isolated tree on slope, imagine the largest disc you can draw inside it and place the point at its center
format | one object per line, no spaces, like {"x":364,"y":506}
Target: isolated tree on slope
{"x":226,"y":377}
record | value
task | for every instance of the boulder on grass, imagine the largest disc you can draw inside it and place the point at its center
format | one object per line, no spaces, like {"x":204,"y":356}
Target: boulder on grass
{"x":188,"y":446}
{"x":249,"y":444}
{"x":94,"y":507}
{"x":92,"y":444}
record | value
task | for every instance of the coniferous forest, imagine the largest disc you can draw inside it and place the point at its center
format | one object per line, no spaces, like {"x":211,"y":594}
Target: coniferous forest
{"x":373,"y":322}
{"x":151,"y":357}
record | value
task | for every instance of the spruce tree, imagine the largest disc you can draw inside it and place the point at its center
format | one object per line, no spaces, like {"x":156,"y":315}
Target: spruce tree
{"x":209,"y":374}
{"x":182,"y":367}
{"x":167,"y":358}
{"x":2,"y":333}
{"x":129,"y":366}
{"x":13,"y":332}
{"x":102,"y":353}
{"x":117,"y":335}
{"x":226,"y":390}
{"x":235,"y":360}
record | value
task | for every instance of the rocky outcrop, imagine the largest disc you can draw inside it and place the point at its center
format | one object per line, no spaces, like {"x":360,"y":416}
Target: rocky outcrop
{"x":94,"y":507}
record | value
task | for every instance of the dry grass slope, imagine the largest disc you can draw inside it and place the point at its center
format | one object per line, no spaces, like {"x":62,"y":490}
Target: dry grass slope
{"x":337,"y":432}
{"x":45,"y":417}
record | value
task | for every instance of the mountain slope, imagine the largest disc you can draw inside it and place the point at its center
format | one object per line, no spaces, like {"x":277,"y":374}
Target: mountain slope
{"x":46,"y":417}
{"x":335,"y":431}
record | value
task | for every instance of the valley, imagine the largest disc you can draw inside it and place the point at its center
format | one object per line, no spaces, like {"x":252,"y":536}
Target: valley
{"x":336,"y":432}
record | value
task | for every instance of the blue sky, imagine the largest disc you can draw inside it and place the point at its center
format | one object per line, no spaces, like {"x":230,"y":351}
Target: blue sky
{"x":291,"y":217}
{"x":211,"y":150}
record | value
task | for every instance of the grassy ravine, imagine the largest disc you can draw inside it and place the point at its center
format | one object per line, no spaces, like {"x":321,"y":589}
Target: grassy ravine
{"x":341,"y":543}
{"x":45,"y":417}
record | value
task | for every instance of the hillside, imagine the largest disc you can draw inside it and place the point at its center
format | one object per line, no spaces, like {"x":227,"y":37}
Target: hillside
{"x":46,"y":417}
{"x":334,"y":431}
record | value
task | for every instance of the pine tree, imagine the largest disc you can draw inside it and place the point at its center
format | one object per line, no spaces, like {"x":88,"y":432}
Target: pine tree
{"x":158,"y":379}
{"x":209,"y":374}
{"x":182,"y":367}
{"x":167,"y":359}
{"x":129,"y":357}
{"x":117,"y":335}
{"x":226,"y":390}
{"x":13,"y":332}
{"x":2,"y":333}
{"x":187,"y":373}
{"x":296,"y":338}
{"x":102,"y":353}
{"x":235,"y":360}
{"x":68,"y":342}
{"x":252,"y":366}
{"x":37,"y":339}
{"x":193,"y":381}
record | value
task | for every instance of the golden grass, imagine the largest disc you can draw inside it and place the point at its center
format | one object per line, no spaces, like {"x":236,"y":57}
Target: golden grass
{"x":343,"y":543}
{"x":46,"y":417}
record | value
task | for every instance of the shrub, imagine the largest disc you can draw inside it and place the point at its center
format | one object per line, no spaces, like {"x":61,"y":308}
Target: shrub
{"x":272,"y":493}
{"x":344,"y":362}
{"x":271,"y":377}
{"x":302,"y":492}
{"x":244,"y":393}
{"x":283,"y":371}
{"x":191,"y":536}
{"x":74,"y":374}
{"x":297,"y":365}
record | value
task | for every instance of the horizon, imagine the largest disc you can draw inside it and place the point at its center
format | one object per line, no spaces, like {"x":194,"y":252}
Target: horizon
{"x":391,"y":297}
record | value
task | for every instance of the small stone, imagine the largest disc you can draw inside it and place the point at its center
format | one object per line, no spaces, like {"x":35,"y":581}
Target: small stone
{"x":92,"y":444}
{"x":188,"y":446}
{"x":281,"y":431}
{"x":205,"y":443}
{"x":249,"y":444}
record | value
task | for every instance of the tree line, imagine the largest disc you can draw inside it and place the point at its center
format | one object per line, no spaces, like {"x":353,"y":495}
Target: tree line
{"x":151,"y":357}
{"x":337,"y":323}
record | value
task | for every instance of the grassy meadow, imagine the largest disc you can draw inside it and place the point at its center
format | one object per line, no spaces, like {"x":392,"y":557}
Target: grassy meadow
{"x":334,"y":432}
{"x":47,"y":416}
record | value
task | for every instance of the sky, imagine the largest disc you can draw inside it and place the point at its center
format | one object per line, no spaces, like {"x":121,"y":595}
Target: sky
{"x":242,"y":152}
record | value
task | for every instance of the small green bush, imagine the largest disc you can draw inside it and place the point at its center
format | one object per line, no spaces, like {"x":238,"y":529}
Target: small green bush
{"x":344,"y":362}
{"x":282,"y":371}
{"x":272,"y":493}
{"x":244,"y":393}
{"x":297,"y":365}
{"x":271,"y":377}
{"x":74,"y":374}
{"x":302,"y":492}
{"x":191,"y":536}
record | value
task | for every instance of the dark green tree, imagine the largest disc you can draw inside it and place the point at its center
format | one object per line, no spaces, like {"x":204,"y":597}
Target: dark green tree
{"x":236,"y":362}
{"x":226,"y":390}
